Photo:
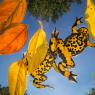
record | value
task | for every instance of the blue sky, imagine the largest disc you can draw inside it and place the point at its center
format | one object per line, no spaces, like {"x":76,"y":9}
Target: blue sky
{"x":85,"y":62}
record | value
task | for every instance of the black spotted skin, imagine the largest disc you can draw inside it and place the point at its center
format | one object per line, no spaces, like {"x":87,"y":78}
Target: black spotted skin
{"x":45,"y":65}
{"x":76,"y":43}
{"x":73,"y":45}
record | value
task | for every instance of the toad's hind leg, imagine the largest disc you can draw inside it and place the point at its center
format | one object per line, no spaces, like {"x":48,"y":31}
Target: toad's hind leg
{"x":64,"y":54}
{"x":65,"y":72}
{"x":37,"y":82}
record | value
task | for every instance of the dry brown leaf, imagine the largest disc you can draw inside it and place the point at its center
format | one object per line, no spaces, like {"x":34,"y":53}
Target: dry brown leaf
{"x":13,"y":39}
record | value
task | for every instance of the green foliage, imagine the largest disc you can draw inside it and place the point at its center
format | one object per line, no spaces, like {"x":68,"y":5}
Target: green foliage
{"x":45,"y":9}
{"x":5,"y":91}
{"x":26,"y":93}
{"x":91,"y":92}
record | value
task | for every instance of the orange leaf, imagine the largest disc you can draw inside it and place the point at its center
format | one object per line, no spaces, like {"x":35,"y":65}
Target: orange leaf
{"x":13,"y":39}
{"x":6,"y":10}
{"x":12,"y":11}
{"x":20,"y":11}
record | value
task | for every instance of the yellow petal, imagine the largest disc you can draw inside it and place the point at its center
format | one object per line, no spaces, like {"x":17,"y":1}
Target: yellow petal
{"x":38,"y":39}
{"x":35,"y":60}
{"x":17,"y":78}
{"x":90,"y":17}
{"x":37,"y":49}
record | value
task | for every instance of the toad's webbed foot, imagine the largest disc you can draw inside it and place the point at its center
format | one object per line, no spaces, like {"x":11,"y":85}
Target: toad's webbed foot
{"x":37,"y":82}
{"x":90,"y":44}
{"x":72,"y":77}
{"x":77,"y":22}
{"x":66,"y":73}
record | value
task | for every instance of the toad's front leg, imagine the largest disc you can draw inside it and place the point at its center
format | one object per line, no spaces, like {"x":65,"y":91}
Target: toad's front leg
{"x":74,"y":26}
{"x":38,"y":80}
